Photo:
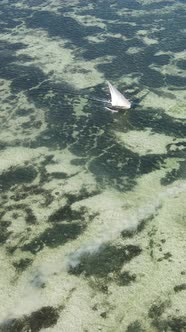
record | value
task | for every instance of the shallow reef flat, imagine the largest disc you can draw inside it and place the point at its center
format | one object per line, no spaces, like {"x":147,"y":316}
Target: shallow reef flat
{"x":92,"y":204}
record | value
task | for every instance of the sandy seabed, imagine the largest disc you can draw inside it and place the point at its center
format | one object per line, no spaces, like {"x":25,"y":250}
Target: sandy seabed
{"x":92,"y":215}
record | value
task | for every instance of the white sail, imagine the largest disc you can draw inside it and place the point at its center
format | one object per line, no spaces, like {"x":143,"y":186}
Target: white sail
{"x":117,"y":99}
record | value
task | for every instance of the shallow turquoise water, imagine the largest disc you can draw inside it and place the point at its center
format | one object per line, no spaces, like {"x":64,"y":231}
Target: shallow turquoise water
{"x":92,"y":216}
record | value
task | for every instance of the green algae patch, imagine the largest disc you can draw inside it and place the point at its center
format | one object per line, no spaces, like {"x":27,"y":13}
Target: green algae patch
{"x":107,"y":260}
{"x":53,"y":237}
{"x":4,"y":231}
{"x":67,"y":214}
{"x":157,"y":313}
{"x":43,"y":318}
{"x":136,"y":326}
{"x":17,"y":176}
{"x":179,"y":288}
{"x":22,"y":264}
{"x":126,"y":278}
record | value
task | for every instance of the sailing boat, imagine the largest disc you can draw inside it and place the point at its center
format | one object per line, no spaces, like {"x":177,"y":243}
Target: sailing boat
{"x":117,"y":99}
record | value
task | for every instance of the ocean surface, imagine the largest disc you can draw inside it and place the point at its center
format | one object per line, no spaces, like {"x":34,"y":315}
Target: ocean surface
{"x":92,"y":203}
